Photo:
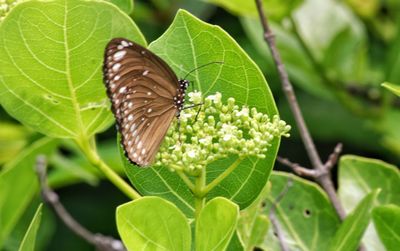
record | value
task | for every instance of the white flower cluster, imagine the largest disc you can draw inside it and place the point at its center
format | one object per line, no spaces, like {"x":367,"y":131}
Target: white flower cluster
{"x":216,"y":130}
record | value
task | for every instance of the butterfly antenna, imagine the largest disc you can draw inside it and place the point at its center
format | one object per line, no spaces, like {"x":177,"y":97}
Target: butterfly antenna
{"x":201,"y":66}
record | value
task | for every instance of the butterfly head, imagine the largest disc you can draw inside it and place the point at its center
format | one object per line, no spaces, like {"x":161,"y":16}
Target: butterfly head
{"x":183,"y":84}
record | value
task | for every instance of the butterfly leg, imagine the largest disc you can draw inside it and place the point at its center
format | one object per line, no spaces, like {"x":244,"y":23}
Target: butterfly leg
{"x":198,"y":111}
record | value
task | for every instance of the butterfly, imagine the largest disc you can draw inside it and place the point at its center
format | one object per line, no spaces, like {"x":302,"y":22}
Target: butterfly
{"x":146,"y":95}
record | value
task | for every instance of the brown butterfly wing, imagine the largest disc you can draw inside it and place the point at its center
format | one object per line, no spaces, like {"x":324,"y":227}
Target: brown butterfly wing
{"x":141,"y":87}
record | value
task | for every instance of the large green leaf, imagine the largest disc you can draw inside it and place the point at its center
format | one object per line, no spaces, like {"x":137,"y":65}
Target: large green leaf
{"x":28,"y":243}
{"x":51,"y":55}
{"x":304,"y":212}
{"x":152,"y":223}
{"x":216,"y":224}
{"x":190,"y":43}
{"x":387,"y":222}
{"x":351,"y":231}
{"x":358,"y":177}
{"x":18,"y":185}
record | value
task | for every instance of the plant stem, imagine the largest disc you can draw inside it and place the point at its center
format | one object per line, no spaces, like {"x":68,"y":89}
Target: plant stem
{"x":89,"y":149}
{"x":222,"y":176}
{"x":186,"y":179}
{"x":198,"y":192}
{"x":325,"y":178}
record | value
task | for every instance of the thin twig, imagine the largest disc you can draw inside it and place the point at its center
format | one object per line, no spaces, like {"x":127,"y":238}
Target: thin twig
{"x":274,"y":221}
{"x":324,"y":179}
{"x":299,"y":170}
{"x":103,"y":243}
{"x":333,"y":158}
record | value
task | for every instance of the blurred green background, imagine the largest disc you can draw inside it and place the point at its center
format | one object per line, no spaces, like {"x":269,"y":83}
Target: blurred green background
{"x":337,"y":54}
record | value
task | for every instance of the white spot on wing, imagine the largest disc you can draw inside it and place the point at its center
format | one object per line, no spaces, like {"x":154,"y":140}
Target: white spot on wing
{"x":122,"y":89}
{"x":130,"y":117}
{"x":149,"y":110}
{"x":118,"y":55}
{"x":124,"y":43}
{"x":116,"y":67}
{"x":145,"y":72}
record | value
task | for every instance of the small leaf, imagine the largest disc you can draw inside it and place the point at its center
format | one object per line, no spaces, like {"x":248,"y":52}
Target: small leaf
{"x":19,"y":183}
{"x":187,"y":44}
{"x":152,"y":223}
{"x":51,"y":61}
{"x":216,"y":224}
{"x":253,"y":225}
{"x":387,"y":223}
{"x":359,"y":176}
{"x":304,"y":213}
{"x":392,"y":87}
{"x":349,"y":234}
{"x":28,"y":243}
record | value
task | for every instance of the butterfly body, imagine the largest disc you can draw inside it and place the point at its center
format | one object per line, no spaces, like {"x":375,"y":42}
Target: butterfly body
{"x":145,"y":96}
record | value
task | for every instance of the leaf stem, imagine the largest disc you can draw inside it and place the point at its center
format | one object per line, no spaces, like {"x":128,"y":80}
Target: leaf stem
{"x":89,"y":149}
{"x":222,"y":176}
{"x":198,"y":192}
{"x":186,"y":179}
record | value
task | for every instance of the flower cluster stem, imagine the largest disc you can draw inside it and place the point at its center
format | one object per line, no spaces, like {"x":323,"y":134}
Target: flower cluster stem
{"x":222,"y":176}
{"x":198,"y":192}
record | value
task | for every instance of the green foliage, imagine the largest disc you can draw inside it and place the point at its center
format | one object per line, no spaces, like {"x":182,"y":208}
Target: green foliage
{"x":253,"y":225}
{"x":351,"y":230}
{"x":19,"y":183}
{"x":306,"y":216}
{"x":359,"y":176}
{"x":13,"y":138}
{"x":336,"y":52}
{"x":57,"y":64}
{"x":28,"y":243}
{"x":125,"y":5}
{"x":187,"y":44}
{"x":392,"y":87}
{"x":276,"y":10}
{"x":387,"y":223}
{"x":212,"y":236}
{"x":152,"y":223}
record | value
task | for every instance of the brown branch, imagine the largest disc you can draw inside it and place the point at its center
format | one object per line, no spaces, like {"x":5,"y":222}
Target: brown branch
{"x":103,"y":243}
{"x":299,"y":170}
{"x":333,"y":158}
{"x":324,"y":177}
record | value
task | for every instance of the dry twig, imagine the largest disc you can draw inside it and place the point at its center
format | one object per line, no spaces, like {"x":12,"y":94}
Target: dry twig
{"x":321,"y":171}
{"x":101,"y":242}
